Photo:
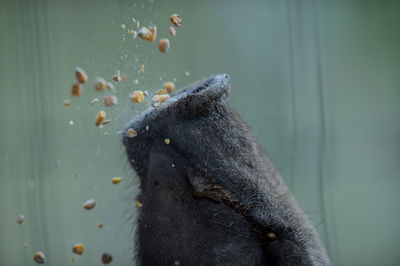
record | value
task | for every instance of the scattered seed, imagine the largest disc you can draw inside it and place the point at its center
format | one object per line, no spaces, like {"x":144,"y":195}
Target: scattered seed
{"x":25,"y":245}
{"x":137,"y":96}
{"x":100,"y":117}
{"x":142,"y":68}
{"x":110,"y":100}
{"x":110,"y":86}
{"x":123,"y":26}
{"x":167,"y":141}
{"x":117,"y":76}
{"x":169,"y":86}
{"x":160,"y":98}
{"x":99,"y":84}
{"x":176,"y":20}
{"x":80,"y":75}
{"x":39,"y":257}
{"x":94,"y":101}
{"x":99,"y":224}
{"x":146,"y":93}
{"x":20,"y":218}
{"x":131,"y":133}
{"x":124,"y":77}
{"x":132,"y":32}
{"x":140,"y":205}
{"x":76,"y":89}
{"x":105,"y":122}
{"x":161,"y":91}
{"x":78,"y":249}
{"x":148,"y":34}
{"x":67,"y":103}
{"x":89,"y":204}
{"x":163,"y":45}
{"x":106,"y":258}
{"x":136,"y":82}
{"x":116,"y":180}
{"x":172,"y":31}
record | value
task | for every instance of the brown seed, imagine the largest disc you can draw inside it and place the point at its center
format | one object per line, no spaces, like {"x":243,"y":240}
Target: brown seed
{"x":100,"y":117}
{"x":117,"y":76}
{"x":116,"y":180}
{"x":172,"y":31}
{"x":163,"y":45}
{"x":131,"y":133}
{"x":176,"y":20}
{"x":105,"y":122}
{"x":110,"y":100}
{"x":167,"y":141}
{"x":169,"y":86}
{"x":39,"y":257}
{"x":148,"y":34}
{"x":76,"y":89}
{"x":137,"y":96}
{"x":67,"y":103}
{"x":20,"y":219}
{"x":99,"y":84}
{"x":99,"y":224}
{"x":80,"y":75}
{"x":106,"y":258}
{"x":89,"y":204}
{"x":95,"y":100}
{"x":161,"y":91}
{"x":78,"y":249}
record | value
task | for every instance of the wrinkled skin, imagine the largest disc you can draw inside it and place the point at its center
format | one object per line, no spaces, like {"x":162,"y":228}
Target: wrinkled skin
{"x":212,"y":196}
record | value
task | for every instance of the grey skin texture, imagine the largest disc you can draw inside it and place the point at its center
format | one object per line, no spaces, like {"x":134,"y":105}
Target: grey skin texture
{"x":212,"y":196}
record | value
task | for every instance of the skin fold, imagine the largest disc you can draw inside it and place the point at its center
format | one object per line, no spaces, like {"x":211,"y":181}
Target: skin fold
{"x":212,"y":196}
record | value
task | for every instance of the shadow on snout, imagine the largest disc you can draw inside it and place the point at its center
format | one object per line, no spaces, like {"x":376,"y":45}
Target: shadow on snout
{"x":210,"y":195}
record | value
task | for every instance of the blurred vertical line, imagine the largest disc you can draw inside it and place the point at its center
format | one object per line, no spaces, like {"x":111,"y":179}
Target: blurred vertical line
{"x":293,"y":96}
{"x":322,"y":150}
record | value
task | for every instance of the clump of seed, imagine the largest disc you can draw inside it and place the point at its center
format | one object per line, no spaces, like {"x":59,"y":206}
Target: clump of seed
{"x":80,"y":75}
{"x":106,"y":258}
{"x":89,"y":204}
{"x":161,"y":91}
{"x":137,"y":96}
{"x":167,"y":141}
{"x":176,"y":20}
{"x":99,"y":84}
{"x":148,"y":34}
{"x":39,"y":257}
{"x":169,"y":86}
{"x":163,"y":45}
{"x":117,"y":76}
{"x":67,"y":103}
{"x":131,"y":133}
{"x":110,"y":100}
{"x":99,"y":224}
{"x":20,"y":219}
{"x":158,"y":99}
{"x":76,"y":89}
{"x":116,"y":180}
{"x":78,"y":249}
{"x":94,"y":101}
{"x":172,"y":31}
{"x":100,"y":117}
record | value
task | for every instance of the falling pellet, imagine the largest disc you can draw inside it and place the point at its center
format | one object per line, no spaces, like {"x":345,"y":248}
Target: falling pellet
{"x":89,"y":204}
{"x":39,"y":257}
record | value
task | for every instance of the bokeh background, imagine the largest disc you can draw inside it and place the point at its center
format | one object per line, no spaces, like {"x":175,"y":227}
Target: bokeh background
{"x":318,"y":81}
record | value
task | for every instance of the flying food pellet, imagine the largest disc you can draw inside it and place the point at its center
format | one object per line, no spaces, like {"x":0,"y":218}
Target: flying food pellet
{"x":110,"y":86}
{"x":94,"y":101}
{"x":67,"y":103}
{"x":169,"y":86}
{"x":25,"y":245}
{"x":176,"y":20}
{"x":106,"y":258}
{"x":167,"y":141}
{"x":132,"y":32}
{"x":39,"y":257}
{"x":140,"y":205}
{"x":89,"y":204}
{"x":142,"y":68}
{"x":172,"y":31}
{"x":76,"y":89}
{"x":161,"y":91}
{"x":100,"y":117}
{"x":123,"y":26}
{"x":99,"y":224}
{"x":160,"y":98}
{"x":117,"y":76}
{"x":80,"y":75}
{"x":146,"y":93}
{"x":137,"y":96}
{"x":20,"y":219}
{"x":105,"y":122}
{"x":116,"y":180}
{"x":135,"y":81}
{"x":131,"y":133}
{"x":110,"y":100}
{"x":99,"y":84}
{"x":78,"y":249}
{"x":148,"y":34}
{"x":163,"y":45}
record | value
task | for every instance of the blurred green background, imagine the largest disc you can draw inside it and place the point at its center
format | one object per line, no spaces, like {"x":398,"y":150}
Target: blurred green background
{"x":318,"y":81}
